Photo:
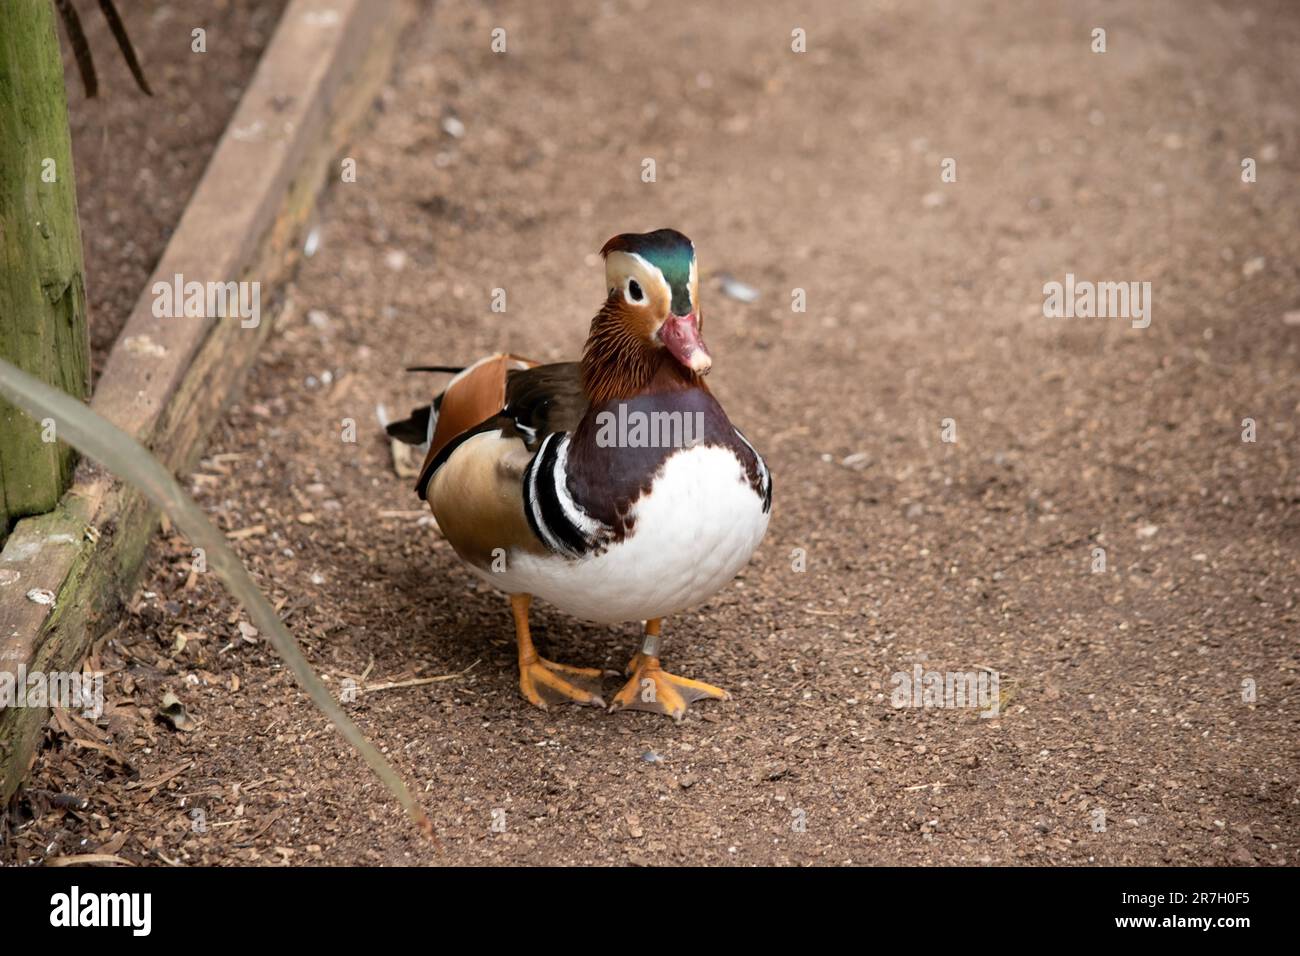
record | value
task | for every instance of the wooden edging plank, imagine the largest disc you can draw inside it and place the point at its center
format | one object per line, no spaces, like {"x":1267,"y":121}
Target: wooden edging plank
{"x":168,"y":379}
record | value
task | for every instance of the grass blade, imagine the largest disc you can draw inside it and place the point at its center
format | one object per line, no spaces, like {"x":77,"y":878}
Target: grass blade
{"x":95,"y":436}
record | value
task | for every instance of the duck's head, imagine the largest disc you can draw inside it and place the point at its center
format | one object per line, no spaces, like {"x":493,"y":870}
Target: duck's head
{"x":651,"y":312}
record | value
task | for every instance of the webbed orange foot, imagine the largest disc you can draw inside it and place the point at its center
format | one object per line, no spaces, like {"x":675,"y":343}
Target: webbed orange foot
{"x":544,"y":682}
{"x":653,"y":689}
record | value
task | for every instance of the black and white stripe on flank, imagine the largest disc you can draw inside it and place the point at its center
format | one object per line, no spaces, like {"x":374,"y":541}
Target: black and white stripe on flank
{"x":764,"y":476}
{"x":552,"y":513}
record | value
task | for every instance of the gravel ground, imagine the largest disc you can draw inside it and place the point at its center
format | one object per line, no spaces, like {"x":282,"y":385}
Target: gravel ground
{"x":1123,"y":735}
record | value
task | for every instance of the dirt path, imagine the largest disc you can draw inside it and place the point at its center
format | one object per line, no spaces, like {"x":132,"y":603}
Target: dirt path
{"x":1121,"y":691}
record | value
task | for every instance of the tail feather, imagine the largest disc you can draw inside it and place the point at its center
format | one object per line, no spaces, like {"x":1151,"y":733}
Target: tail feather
{"x":417,"y":428}
{"x":413,"y":430}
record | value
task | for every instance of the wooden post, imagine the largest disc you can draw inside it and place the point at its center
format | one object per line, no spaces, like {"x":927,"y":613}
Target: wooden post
{"x":42,"y":286}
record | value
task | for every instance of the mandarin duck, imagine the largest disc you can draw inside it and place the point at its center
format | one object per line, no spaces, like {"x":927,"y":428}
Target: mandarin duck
{"x":614,"y":488}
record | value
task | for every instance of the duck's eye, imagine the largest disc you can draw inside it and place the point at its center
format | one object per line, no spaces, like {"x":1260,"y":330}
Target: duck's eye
{"x":634,"y":291}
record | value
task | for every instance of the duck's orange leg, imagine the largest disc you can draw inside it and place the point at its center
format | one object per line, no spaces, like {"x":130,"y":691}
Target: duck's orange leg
{"x":544,"y":682}
{"x":654,"y":689}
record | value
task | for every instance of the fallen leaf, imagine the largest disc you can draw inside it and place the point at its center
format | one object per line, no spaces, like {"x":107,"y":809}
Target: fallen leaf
{"x":175,"y":713}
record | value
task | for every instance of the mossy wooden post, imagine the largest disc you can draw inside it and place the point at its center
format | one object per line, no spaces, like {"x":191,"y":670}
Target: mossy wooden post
{"x":42,"y":288}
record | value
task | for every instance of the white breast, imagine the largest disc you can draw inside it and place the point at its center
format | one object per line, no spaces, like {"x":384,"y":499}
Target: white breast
{"x":698,"y":526}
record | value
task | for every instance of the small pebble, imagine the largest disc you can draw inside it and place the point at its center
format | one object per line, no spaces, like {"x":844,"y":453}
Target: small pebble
{"x":733,"y":288}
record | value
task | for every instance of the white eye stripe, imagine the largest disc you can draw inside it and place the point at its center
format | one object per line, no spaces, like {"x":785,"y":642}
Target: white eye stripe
{"x":649,"y":276}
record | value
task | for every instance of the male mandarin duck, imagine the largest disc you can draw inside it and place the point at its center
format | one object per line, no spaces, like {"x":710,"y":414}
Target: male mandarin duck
{"x":614,"y":488}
